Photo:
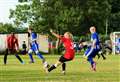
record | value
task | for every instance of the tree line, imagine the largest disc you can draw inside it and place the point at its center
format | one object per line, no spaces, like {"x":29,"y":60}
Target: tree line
{"x":75,"y":16}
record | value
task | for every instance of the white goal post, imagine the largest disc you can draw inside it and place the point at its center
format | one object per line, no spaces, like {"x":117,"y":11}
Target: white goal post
{"x":115,"y":38}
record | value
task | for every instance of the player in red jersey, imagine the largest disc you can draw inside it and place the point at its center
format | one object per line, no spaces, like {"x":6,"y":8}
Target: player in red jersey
{"x":69,"y":51}
{"x":12,"y":47}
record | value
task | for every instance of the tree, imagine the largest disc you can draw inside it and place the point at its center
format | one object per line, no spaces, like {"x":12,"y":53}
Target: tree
{"x":75,"y":16}
{"x":114,"y":19}
{"x":6,"y":28}
{"x":22,"y":14}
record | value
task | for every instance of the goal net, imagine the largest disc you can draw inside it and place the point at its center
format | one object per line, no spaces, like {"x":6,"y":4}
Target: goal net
{"x":115,"y":38}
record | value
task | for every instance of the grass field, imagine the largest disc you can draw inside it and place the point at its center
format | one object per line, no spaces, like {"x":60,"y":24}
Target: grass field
{"x":77,"y":70}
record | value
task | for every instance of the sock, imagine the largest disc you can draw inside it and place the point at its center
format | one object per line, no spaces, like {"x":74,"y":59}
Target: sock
{"x":5,"y":56}
{"x":63,"y":66}
{"x":31,"y":57}
{"x":46,"y":65}
{"x":51,"y":68}
{"x":98,"y":56}
{"x":18,"y":57}
{"x":40,"y":56}
{"x":103,"y":56}
{"x":55,"y":65}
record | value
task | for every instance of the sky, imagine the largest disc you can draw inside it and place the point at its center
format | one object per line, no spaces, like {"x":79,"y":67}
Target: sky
{"x":5,"y":5}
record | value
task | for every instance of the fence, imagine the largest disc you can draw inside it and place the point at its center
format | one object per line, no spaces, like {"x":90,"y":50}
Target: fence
{"x":42,"y":41}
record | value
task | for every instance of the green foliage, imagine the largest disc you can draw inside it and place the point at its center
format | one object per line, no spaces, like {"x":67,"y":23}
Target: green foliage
{"x":75,"y":16}
{"x":22,"y":1}
{"x":22,"y":14}
{"x":6,"y":28}
{"x":115,"y":6}
{"x":114,"y":19}
{"x":114,"y":22}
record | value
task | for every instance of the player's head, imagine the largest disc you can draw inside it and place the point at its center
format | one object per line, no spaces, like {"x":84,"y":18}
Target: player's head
{"x":23,"y":41}
{"x":92,"y":29}
{"x":12,"y":34}
{"x":30,"y":29}
{"x":68,"y":35}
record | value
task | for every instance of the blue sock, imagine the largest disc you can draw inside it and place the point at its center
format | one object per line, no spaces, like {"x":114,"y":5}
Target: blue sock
{"x":90,"y":60}
{"x":40,"y":56}
{"x":31,"y":57}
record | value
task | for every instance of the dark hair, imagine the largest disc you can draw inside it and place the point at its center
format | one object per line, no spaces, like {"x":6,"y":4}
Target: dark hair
{"x":12,"y":33}
{"x":30,"y":28}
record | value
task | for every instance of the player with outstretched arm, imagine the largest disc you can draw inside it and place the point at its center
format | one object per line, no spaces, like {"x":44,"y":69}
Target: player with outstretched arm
{"x":67,"y":41}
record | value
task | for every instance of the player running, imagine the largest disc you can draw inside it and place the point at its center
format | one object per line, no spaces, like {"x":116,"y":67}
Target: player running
{"x":34,"y":47}
{"x":69,"y":51}
{"x":93,"y":50}
{"x":12,"y":48}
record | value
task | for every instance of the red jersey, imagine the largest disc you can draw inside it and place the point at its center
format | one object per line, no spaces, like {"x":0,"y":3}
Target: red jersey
{"x":68,"y":44}
{"x":12,"y":42}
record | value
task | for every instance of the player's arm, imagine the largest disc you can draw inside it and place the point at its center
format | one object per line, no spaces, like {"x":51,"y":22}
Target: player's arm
{"x":16,"y":43}
{"x":7,"y":41}
{"x":93,"y":43}
{"x":56,"y":35}
{"x":34,"y":39}
{"x":92,"y":47}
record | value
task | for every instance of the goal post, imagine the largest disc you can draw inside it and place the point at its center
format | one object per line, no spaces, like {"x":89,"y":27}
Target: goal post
{"x":116,"y":42}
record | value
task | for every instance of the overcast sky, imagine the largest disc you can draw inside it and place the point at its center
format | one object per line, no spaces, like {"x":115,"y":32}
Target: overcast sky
{"x":5,"y":5}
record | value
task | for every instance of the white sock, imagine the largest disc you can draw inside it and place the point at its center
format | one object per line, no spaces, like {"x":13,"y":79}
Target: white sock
{"x":45,"y":64}
{"x":55,"y":65}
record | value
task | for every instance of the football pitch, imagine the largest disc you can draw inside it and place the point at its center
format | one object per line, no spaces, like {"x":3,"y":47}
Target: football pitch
{"x":77,"y":70}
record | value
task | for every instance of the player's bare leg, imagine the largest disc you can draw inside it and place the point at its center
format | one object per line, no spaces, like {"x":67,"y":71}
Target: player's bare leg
{"x":93,"y":66}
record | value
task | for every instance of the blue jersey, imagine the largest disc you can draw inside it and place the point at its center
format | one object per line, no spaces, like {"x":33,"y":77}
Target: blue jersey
{"x":95,"y":36}
{"x":34,"y":47}
{"x":91,"y":52}
{"x":34,"y":44}
{"x":33,"y":36}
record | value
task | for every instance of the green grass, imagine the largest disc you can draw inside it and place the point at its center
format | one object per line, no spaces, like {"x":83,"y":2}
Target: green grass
{"x":77,"y":70}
